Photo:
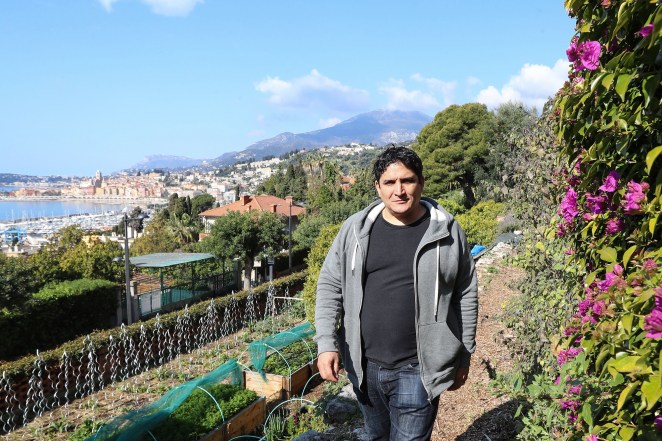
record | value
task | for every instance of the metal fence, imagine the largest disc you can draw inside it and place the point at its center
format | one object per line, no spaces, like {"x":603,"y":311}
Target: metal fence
{"x":173,"y":297}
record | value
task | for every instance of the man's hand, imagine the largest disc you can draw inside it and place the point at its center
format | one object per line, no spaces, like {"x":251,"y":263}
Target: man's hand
{"x":328,"y":364}
{"x":461,"y":376}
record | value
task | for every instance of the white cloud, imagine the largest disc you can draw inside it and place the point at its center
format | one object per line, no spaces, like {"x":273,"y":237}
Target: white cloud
{"x":428,"y":95}
{"x":329,"y":122}
{"x":314,"y":91}
{"x":107,"y":4}
{"x":473,"y":81}
{"x":162,"y":7}
{"x":533,"y":86}
{"x":172,"y":7}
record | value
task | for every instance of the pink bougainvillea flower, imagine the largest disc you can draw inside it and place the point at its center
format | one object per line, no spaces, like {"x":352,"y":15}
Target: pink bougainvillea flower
{"x":599,"y":307}
{"x":634,"y":197}
{"x":610,"y":183}
{"x":591,"y":437}
{"x":618,"y":270}
{"x":596,"y":204}
{"x":573,"y":406}
{"x":653,"y":321}
{"x":606,"y":3}
{"x":614,"y":226}
{"x":609,"y":281}
{"x":575,"y":389}
{"x":646,"y":30}
{"x":584,"y":55}
{"x":653,"y":324}
{"x":568,"y":207}
{"x":658,"y":422}
{"x":567,"y":332}
{"x":567,"y":354}
{"x":650,"y":266}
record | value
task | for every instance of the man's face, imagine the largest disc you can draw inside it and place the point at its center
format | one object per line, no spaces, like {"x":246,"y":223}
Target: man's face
{"x":400,"y":190}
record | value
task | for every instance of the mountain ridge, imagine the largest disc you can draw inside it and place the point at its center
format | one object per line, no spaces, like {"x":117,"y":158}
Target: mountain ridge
{"x":378,"y":127}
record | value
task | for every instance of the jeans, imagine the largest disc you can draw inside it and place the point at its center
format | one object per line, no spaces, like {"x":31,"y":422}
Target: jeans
{"x":395,"y":404}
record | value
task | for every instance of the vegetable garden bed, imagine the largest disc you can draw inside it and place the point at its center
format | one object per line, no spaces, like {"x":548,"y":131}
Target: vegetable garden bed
{"x":286,"y":373}
{"x":216,"y":413}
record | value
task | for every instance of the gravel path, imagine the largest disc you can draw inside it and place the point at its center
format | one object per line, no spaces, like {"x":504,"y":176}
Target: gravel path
{"x":473,"y":413}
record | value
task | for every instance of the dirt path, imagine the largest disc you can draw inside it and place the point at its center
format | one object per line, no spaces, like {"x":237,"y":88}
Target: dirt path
{"x":473,"y":413}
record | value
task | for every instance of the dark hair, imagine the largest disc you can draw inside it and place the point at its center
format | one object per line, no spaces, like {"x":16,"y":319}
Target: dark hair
{"x":394,"y":154}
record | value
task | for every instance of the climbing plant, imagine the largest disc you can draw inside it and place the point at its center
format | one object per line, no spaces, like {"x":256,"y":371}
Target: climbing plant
{"x":608,"y":118}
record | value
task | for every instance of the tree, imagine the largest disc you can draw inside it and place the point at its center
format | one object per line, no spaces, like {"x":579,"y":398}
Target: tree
{"x":514,"y":126}
{"x":46,"y":262}
{"x":184,"y":228}
{"x":94,"y":261}
{"x":202,"y":202}
{"x":17,"y":281}
{"x":157,"y":238}
{"x":453,"y":147}
{"x":245,"y":236}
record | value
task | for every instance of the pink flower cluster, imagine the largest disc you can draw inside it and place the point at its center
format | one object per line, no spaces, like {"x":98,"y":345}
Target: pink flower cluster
{"x":567,"y":354}
{"x":591,"y":437}
{"x":584,"y":54}
{"x":573,"y":406}
{"x":601,"y":203}
{"x":634,"y":197}
{"x":653,"y":321}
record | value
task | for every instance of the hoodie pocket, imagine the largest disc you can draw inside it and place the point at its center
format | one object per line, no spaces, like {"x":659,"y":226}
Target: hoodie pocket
{"x":441,"y":349}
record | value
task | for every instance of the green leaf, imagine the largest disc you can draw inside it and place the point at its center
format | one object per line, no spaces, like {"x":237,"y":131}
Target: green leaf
{"x":590,"y":278}
{"x":652,"y":390}
{"x":608,"y":254}
{"x":628,"y":254}
{"x":626,"y":433}
{"x":596,"y":80}
{"x":625,"y":394}
{"x":622,"y":83}
{"x":626,"y":364}
{"x":652,"y":156}
{"x":652,"y":223}
{"x":626,"y":321}
{"x":648,"y":87}
{"x":607,"y":80}
{"x":587,"y":415}
{"x":601,"y":357}
{"x":540,"y":246}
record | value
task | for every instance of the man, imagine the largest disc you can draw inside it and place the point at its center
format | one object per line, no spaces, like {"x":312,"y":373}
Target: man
{"x":401,"y":280}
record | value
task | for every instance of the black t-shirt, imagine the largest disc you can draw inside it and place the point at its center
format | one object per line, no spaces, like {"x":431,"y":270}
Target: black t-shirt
{"x":388,"y":328}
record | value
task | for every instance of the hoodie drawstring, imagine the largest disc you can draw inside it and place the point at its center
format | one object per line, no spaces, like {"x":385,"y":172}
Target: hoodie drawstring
{"x":436,"y":285}
{"x":356,"y":249}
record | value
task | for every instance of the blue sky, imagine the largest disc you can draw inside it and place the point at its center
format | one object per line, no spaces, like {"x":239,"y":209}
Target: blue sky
{"x":90,"y":85}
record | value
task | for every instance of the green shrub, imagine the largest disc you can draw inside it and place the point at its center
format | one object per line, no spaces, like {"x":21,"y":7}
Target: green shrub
{"x":481,"y":222}
{"x":58,"y":313}
{"x":315,"y":260}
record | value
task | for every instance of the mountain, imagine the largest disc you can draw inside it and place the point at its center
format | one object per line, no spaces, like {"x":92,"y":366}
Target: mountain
{"x":379,"y":127}
{"x":166,"y":162}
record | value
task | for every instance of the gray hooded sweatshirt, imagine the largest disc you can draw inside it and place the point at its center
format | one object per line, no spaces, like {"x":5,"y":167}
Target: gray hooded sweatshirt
{"x":445,"y":288}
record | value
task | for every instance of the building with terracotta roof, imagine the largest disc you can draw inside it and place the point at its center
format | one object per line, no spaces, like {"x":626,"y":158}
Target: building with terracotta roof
{"x":246,"y":203}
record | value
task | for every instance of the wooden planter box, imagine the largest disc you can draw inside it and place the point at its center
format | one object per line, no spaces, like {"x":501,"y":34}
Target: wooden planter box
{"x":243,"y":423}
{"x":279,"y":387}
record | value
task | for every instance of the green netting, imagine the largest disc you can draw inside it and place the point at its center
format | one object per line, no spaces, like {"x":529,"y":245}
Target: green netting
{"x":133,"y":425}
{"x":259,"y":349}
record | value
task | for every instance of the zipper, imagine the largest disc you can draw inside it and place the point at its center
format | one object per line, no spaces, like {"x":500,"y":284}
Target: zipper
{"x":416,"y":305}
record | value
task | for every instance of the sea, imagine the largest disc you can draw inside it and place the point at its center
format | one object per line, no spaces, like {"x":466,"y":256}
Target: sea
{"x":24,"y":210}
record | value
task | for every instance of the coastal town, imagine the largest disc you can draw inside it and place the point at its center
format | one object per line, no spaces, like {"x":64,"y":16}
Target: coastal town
{"x":128,"y":189}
